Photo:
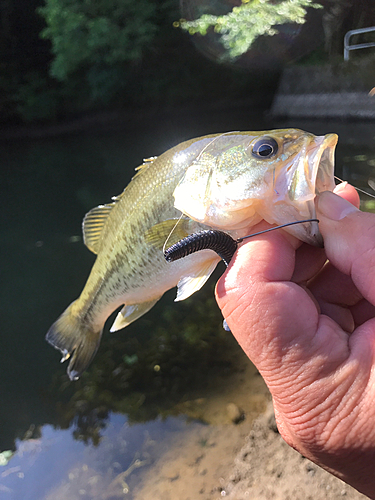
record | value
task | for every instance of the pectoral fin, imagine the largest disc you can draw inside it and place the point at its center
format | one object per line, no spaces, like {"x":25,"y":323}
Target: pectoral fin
{"x":169,"y":231}
{"x":130,"y":313}
{"x":194,"y":282}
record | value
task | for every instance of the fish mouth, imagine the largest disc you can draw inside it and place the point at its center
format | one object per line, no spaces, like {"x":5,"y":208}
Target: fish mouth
{"x":311,"y":170}
{"x":308,"y":173}
{"x":321,"y":160}
{"x":320,"y":164}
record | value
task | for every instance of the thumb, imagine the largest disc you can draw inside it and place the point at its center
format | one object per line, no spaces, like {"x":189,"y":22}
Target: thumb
{"x":349,"y":240}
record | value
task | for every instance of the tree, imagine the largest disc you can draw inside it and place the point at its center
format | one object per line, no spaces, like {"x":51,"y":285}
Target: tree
{"x":22,"y":53}
{"x":101,"y":33}
{"x":245,"y":23}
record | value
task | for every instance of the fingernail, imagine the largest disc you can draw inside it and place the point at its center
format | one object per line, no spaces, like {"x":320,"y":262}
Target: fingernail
{"x":340,"y":187}
{"x":334,"y":207}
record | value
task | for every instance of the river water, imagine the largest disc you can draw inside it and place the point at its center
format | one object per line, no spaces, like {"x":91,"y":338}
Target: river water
{"x":54,"y":434}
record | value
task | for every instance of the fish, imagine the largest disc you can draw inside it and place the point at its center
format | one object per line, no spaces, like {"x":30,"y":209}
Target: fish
{"x":227,"y":182}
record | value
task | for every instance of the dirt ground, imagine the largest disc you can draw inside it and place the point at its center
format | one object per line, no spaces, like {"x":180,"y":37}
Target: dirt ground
{"x":239,"y":455}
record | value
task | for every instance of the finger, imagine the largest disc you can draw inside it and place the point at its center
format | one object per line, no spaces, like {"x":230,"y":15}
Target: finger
{"x":309,"y":261}
{"x":331,"y":285}
{"x":349,"y":239}
{"x":335,"y":293}
{"x":348,"y":192}
{"x":362,"y":312}
{"x":322,"y":282}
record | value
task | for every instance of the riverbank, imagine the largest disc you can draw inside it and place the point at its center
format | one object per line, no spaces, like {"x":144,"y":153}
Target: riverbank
{"x":238,"y":459}
{"x":345,"y":105}
{"x":343,"y":91}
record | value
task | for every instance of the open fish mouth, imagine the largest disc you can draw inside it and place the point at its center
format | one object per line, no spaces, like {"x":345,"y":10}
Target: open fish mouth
{"x":310,"y":171}
{"x":307,"y":173}
{"x":323,"y":159}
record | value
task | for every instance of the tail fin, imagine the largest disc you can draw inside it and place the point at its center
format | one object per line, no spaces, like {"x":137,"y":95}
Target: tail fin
{"x":75,"y":340}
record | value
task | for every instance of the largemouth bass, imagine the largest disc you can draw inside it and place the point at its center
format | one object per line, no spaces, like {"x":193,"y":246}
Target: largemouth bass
{"x":227,"y":181}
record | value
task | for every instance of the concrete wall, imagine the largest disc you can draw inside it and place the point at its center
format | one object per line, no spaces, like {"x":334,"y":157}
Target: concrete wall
{"x":326,"y":91}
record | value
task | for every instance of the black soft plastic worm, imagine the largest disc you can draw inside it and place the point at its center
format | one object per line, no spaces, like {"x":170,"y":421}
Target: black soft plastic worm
{"x":221,"y":243}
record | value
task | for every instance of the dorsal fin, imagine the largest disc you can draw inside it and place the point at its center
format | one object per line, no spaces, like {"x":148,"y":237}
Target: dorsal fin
{"x":146,"y":163}
{"x":147,"y":160}
{"x":94,"y":220}
{"x":93,"y":224}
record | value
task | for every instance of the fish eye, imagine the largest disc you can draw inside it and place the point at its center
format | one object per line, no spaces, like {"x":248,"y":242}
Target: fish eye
{"x":264,"y":148}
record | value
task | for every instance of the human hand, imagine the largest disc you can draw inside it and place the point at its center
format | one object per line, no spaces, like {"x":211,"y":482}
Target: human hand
{"x":309,"y":327}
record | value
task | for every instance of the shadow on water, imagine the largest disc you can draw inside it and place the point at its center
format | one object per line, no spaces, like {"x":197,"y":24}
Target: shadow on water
{"x":174,"y":353}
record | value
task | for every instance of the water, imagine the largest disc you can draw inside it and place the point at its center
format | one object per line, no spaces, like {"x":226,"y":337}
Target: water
{"x":47,"y":187}
{"x":57,"y":466}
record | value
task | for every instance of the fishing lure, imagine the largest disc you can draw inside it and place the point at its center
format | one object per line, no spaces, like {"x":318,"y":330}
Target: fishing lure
{"x":218,"y":241}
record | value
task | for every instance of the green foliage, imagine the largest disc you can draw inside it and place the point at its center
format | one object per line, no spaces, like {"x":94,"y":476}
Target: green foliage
{"x":99,"y":33}
{"x":36,"y":99}
{"x":100,"y":54}
{"x":244,"y":24}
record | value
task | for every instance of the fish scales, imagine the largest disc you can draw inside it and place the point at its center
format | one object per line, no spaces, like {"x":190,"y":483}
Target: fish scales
{"x":227,"y":181}
{"x":122,"y":254}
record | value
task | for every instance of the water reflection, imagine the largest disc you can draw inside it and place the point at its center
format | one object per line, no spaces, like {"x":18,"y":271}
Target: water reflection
{"x":57,"y":466}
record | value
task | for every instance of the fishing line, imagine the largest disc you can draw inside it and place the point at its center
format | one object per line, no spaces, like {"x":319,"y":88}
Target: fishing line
{"x":171,"y":231}
{"x":240,"y":240}
{"x":359,"y":189}
{"x":211,"y":142}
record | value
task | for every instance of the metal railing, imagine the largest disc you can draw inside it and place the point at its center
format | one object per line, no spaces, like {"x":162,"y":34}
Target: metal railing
{"x":348,"y":47}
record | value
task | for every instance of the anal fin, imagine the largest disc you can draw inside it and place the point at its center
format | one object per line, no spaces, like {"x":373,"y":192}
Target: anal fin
{"x":130,"y":313}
